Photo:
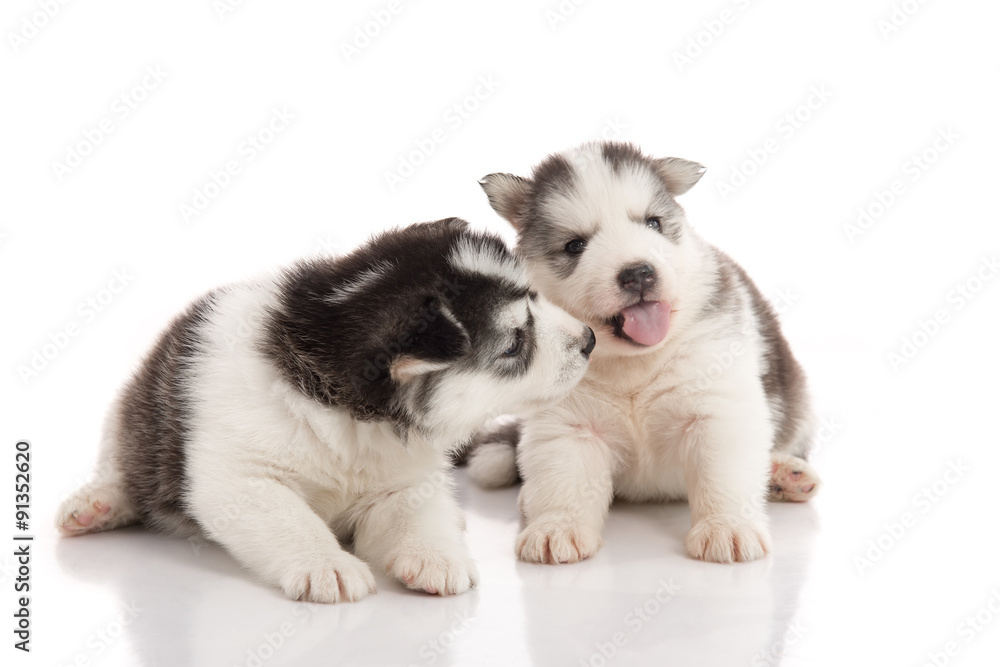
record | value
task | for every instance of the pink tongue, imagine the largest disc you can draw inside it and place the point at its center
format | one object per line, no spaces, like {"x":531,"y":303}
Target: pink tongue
{"x":647,"y":322}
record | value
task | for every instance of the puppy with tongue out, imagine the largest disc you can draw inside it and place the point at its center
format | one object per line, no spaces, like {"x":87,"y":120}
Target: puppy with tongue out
{"x":646,"y":322}
{"x":692,"y":391}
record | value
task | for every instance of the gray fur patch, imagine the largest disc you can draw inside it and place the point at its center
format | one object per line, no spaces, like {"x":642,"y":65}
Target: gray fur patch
{"x":783,"y":378}
{"x":538,"y":238}
{"x":725,"y":296}
{"x":553,"y":174}
{"x":154,"y":419}
{"x":618,"y":154}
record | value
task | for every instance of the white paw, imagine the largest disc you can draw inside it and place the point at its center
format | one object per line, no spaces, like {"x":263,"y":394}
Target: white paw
{"x":92,"y":509}
{"x":554,"y":542}
{"x":493,"y":465}
{"x":338,"y":578}
{"x":792,"y":479}
{"x":434,"y":572}
{"x":722,"y":539}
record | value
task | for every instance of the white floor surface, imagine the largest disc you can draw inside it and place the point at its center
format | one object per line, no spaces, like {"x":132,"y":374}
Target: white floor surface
{"x":851,"y":580}
{"x":152,"y":151}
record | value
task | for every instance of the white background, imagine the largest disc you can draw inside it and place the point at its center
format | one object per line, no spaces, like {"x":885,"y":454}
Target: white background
{"x":869,"y":86}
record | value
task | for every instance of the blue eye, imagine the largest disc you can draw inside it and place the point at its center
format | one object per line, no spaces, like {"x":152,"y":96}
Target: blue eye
{"x":576,"y":246}
{"x":516,"y":346}
{"x":653,"y":223}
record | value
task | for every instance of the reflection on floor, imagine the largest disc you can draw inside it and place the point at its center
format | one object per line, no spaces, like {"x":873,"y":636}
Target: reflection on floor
{"x":640,"y":600}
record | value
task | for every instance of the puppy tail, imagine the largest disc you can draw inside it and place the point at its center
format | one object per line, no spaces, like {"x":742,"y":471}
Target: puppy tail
{"x":493,"y":454}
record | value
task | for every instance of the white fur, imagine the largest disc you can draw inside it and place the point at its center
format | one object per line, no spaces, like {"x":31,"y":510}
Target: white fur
{"x":275,"y":476}
{"x":362,"y":282}
{"x":646,"y":423}
{"x":492,"y":465}
{"x":472,"y":257}
{"x":557,"y":365}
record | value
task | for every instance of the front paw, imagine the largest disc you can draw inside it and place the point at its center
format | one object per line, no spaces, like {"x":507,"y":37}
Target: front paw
{"x":727,"y":540}
{"x":554,"y":542}
{"x":338,"y":578}
{"x":434,"y":572}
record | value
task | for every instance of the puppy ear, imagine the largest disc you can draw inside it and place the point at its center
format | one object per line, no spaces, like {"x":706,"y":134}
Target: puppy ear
{"x":435,"y":341}
{"x":406,"y":367}
{"x":679,"y":175}
{"x":508,"y":196}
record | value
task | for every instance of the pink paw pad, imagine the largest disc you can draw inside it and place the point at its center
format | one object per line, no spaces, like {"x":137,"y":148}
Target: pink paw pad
{"x":792,"y":479}
{"x":89,"y":517}
{"x":408,"y":579}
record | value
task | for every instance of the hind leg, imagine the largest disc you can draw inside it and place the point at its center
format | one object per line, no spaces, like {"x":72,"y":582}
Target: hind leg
{"x":492,"y":456}
{"x":792,"y":479}
{"x":100,"y":505}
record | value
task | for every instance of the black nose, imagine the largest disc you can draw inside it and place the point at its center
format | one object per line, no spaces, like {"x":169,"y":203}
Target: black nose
{"x":591,"y":342}
{"x":637,"y":278}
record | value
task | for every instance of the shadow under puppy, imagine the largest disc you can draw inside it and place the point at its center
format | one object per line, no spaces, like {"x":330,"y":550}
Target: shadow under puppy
{"x":693,"y":391}
{"x":279,"y":415}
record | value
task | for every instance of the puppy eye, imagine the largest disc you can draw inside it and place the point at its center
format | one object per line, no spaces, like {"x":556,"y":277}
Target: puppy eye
{"x":576,"y":246}
{"x":516,"y":346}
{"x":653,"y":223}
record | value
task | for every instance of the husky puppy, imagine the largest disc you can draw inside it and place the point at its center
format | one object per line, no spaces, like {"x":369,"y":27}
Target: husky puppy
{"x":692,"y":391}
{"x":279,"y":416}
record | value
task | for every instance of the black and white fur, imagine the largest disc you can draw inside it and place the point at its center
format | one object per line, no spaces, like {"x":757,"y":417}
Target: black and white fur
{"x":708,"y":404}
{"x":279,"y":416}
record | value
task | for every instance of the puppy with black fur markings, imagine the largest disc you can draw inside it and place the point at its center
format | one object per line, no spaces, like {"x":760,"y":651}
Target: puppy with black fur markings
{"x":657,"y":417}
{"x":279,"y":416}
